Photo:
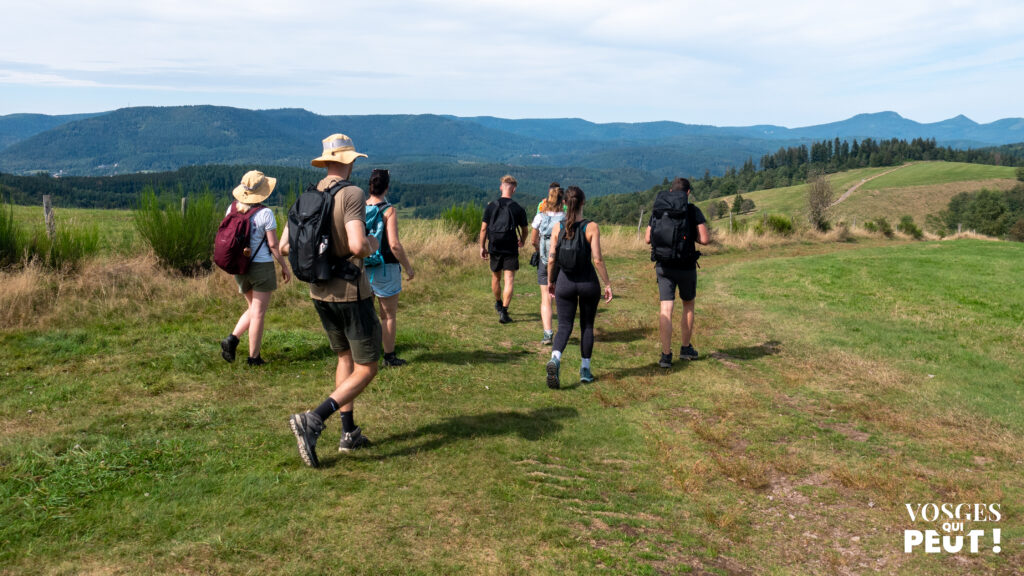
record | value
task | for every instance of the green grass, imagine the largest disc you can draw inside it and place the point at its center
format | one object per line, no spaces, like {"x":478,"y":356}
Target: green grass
{"x":934,"y":173}
{"x":130,"y":447}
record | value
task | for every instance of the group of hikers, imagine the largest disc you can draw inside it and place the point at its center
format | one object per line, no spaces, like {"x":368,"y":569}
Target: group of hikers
{"x":345,"y":243}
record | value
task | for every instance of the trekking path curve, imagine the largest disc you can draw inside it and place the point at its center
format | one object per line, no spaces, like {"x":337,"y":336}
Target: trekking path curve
{"x":853,"y":188}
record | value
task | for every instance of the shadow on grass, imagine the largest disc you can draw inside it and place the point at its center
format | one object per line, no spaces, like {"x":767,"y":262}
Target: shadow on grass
{"x":532,"y":425}
{"x":769,"y":348}
{"x":652,"y":368}
{"x":623,"y":336}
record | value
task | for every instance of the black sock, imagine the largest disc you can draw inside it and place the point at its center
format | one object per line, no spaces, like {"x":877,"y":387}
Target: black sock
{"x":348,"y":421}
{"x":327,"y":408}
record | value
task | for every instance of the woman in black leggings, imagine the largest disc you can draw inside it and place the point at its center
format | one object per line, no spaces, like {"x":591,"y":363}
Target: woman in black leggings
{"x":574,"y":256}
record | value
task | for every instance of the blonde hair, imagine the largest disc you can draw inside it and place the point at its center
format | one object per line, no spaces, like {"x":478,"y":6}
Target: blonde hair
{"x":509,"y":179}
{"x":553,"y":203}
{"x":243,"y":207}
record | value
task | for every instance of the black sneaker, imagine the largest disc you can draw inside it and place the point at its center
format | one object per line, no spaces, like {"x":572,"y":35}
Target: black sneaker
{"x":553,"y":367}
{"x":666,"y":360}
{"x":688,"y":353}
{"x":307,"y":428}
{"x":227,"y":348}
{"x":353,"y":441}
{"x":497,"y":306}
{"x":503,"y":316}
{"x":391,"y":360}
{"x":257,"y":361}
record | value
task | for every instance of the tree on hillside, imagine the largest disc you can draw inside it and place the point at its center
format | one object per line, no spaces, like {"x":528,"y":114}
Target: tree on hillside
{"x":1020,"y":173}
{"x":819,"y":201}
{"x":748,"y":205}
{"x":737,"y":204}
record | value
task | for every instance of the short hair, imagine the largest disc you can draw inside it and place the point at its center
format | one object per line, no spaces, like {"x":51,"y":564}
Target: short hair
{"x":680,"y":184}
{"x":380,"y":180}
{"x":554,"y":185}
{"x":509,"y":179}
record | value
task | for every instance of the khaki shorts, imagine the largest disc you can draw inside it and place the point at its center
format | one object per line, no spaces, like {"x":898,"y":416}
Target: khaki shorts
{"x":352,"y":326}
{"x":261,"y":277}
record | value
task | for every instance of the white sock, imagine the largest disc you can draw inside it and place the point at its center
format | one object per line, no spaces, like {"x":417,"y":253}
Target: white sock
{"x":585,"y":363}
{"x":556,"y":355}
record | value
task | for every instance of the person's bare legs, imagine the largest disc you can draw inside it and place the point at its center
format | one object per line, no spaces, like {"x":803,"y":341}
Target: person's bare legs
{"x":545,"y":307}
{"x":388,"y":312}
{"x":243,"y":321}
{"x":665,"y":325}
{"x":496,"y":285}
{"x":685,"y":323}
{"x":506,"y":294}
{"x":257,"y":310}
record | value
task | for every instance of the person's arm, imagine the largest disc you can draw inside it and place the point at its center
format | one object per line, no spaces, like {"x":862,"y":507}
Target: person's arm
{"x":702,"y":234}
{"x":391,"y":221}
{"x":535,"y":239}
{"x":552,"y":251}
{"x":359,"y":243}
{"x":483,"y":240}
{"x":272,"y":244}
{"x":595,"y":253}
{"x":522,"y":235}
{"x":284,"y":244}
{"x":647,"y":235}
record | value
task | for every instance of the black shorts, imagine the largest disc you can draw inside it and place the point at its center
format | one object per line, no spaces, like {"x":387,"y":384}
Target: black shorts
{"x":504,"y":262}
{"x":542,"y":275}
{"x":352,"y":326}
{"x":669,"y":279}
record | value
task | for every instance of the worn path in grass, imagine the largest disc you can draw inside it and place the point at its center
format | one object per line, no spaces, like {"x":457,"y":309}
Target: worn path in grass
{"x":836,"y":383}
{"x":854,"y":188}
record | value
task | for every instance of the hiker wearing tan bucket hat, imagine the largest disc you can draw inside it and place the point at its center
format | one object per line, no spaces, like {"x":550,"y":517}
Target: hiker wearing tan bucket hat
{"x":344,"y":304}
{"x":259,"y":279}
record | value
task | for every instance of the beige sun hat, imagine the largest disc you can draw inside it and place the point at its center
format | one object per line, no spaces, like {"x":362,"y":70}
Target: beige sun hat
{"x":337,"y":148}
{"x":255,"y":187}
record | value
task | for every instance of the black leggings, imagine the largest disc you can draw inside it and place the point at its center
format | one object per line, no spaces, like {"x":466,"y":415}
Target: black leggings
{"x":569,"y":295}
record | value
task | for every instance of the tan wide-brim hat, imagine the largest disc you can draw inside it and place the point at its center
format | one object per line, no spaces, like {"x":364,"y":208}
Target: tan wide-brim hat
{"x":337,"y":148}
{"x":255,"y":187}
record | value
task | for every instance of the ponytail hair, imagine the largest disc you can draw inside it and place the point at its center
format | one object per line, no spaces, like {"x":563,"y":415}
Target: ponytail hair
{"x":574,"y":199}
{"x":553,"y":203}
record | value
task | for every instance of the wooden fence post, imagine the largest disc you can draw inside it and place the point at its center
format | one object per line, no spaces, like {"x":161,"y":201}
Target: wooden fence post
{"x":184,"y":205}
{"x":639,"y":222}
{"x":51,"y":225}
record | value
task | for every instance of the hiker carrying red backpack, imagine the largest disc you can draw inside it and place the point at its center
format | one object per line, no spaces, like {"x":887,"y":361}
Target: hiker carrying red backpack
{"x":246,"y":246}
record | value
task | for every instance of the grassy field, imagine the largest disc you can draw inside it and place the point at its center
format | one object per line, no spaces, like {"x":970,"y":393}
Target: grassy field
{"x":837,"y":382}
{"x":916,"y":189}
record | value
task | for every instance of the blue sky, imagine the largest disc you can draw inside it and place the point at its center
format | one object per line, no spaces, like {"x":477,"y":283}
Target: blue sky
{"x":726,"y":63}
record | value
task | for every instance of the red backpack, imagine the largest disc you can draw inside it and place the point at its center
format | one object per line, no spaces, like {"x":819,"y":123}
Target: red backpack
{"x":231,"y":250}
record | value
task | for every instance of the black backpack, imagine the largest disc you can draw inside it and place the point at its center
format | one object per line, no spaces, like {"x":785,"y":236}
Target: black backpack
{"x":573,"y":254}
{"x":309,"y":237}
{"x":671,"y":228}
{"x":501,"y":230}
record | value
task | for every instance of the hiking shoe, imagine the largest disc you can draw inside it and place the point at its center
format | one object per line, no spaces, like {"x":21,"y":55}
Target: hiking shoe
{"x":666,"y":360}
{"x":497,"y":306}
{"x":688,"y":353}
{"x":553,"y":366}
{"x":353,"y":440}
{"x":307,"y":428}
{"x":227,"y":348}
{"x":392,"y":360}
{"x":585,"y":376}
{"x":257,"y":361}
{"x":503,"y":316}
{"x":547,"y":338}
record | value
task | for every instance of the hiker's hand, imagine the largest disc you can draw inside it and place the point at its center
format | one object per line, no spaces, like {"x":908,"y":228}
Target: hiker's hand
{"x":521,"y":243}
{"x":607,"y":293}
{"x":372,"y":242}
{"x":483,"y":253}
{"x":551,"y":290}
{"x":286,"y":275}
{"x":410,"y":274}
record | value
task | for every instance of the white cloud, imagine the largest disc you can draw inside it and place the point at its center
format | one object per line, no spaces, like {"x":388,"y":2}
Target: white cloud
{"x":726,"y":62}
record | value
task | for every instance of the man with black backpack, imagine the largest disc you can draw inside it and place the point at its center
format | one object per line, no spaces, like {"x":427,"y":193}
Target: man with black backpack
{"x":502,"y":234}
{"x":326,"y":243}
{"x":673,"y":230}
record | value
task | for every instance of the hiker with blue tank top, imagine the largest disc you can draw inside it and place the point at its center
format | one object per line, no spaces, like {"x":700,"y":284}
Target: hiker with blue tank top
{"x":384,"y":267}
{"x":549,"y":213}
{"x":574,"y":262}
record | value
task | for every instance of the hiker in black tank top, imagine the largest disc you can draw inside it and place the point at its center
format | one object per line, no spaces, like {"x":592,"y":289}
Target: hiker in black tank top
{"x":574,"y":262}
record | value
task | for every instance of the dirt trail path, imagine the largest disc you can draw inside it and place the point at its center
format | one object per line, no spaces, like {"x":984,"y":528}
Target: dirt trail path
{"x":854,"y":188}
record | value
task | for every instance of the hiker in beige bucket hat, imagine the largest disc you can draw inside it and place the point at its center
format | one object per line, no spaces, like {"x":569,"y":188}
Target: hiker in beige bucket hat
{"x":337,"y":148}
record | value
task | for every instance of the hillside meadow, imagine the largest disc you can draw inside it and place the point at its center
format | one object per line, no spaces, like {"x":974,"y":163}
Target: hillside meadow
{"x":838,"y":381}
{"x":915,"y":189}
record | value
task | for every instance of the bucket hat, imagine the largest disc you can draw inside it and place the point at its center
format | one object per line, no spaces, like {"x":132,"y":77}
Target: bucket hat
{"x":337,"y":148}
{"x":255,"y":187}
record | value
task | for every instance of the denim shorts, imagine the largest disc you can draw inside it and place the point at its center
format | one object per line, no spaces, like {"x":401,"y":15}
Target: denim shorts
{"x":385,"y":280}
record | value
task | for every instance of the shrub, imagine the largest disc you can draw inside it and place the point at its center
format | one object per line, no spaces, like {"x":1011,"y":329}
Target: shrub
{"x":819,"y":201}
{"x":1020,"y":173}
{"x":882,"y":225}
{"x":870,"y":226}
{"x":10,"y":236}
{"x":1016,"y":232}
{"x":780,"y":224}
{"x":465,"y":219}
{"x":936,"y":225}
{"x":182,"y":242}
{"x":67,"y":249}
{"x":908,"y":227}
